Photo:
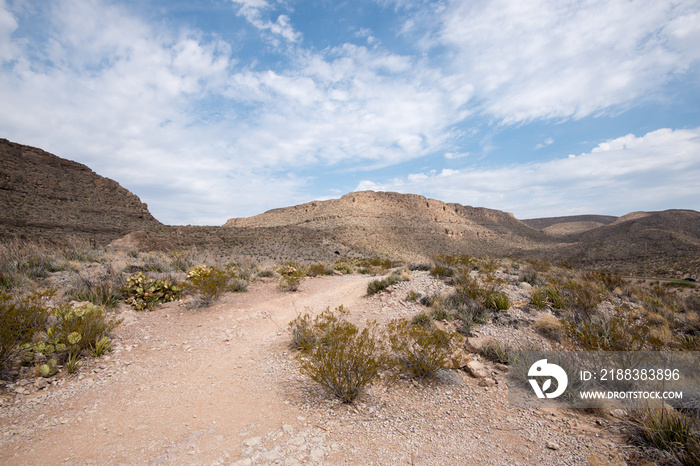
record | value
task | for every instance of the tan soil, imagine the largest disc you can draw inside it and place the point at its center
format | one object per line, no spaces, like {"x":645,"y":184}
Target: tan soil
{"x":221,"y":386}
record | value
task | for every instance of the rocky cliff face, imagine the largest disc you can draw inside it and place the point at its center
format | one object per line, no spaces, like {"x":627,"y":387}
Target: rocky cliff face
{"x":42,"y":195}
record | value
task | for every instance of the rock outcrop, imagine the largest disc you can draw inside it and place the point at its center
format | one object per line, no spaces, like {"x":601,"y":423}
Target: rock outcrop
{"x":45,"y":196}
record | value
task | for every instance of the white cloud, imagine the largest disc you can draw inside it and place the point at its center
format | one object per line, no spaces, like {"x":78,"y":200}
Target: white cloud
{"x":202,"y":136}
{"x":8,"y":25}
{"x":552,"y":59}
{"x":166,"y":115}
{"x":656,"y":171}
{"x":252,"y":10}
{"x":545,"y":143}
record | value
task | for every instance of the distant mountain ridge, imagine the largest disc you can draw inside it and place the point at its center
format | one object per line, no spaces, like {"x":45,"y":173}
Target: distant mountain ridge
{"x":51,"y":197}
{"x":47,"y":197}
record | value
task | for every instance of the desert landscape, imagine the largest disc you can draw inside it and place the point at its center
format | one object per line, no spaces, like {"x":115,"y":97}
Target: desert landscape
{"x":126,"y":341}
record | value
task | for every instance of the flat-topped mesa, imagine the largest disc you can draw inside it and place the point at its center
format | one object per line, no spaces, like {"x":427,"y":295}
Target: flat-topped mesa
{"x":373,"y":205}
{"x":46,"y":195}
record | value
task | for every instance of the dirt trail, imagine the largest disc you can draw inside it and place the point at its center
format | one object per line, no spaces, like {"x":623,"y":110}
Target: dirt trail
{"x":220,"y":386}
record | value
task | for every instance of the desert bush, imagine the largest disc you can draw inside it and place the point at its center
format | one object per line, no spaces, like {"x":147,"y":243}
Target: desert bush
{"x":375,"y":286}
{"x":103,"y":292}
{"x":141,"y":292}
{"x":610,"y":281}
{"x":344,"y":359}
{"x":417,"y":350}
{"x":20,"y":320}
{"x":578,"y":296}
{"x":422,"y":319}
{"x":412,"y":296}
{"x":291,"y":275}
{"x":303,"y":333}
{"x":156,"y":263}
{"x":181,"y":261}
{"x":671,"y":435}
{"x":441,"y":313}
{"x":497,"y":300}
{"x":209,"y":283}
{"x":265,"y":273}
{"x":495,"y":351}
{"x":420,"y":267}
{"x":531,"y":276}
{"x":343,"y":267}
{"x":549,"y":326}
{"x":441,"y":271}
{"x":619,"y":331}
{"x":538,"y":298}
{"x":315,"y":270}
{"x":81,"y":327}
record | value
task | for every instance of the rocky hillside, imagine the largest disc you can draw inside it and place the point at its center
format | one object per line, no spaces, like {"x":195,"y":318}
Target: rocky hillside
{"x":561,"y":226}
{"x":649,"y":243}
{"x":404,"y":225}
{"x":412,"y":227}
{"x":45,"y":196}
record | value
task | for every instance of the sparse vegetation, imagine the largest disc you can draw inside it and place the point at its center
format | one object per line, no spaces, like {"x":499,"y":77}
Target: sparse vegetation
{"x":20,"y":320}
{"x":495,"y":351}
{"x":375,"y":286}
{"x":666,"y":435}
{"x":209,"y":283}
{"x":343,"y":359}
{"x":142,"y":292}
{"x":417,"y":350}
{"x":292,"y":274}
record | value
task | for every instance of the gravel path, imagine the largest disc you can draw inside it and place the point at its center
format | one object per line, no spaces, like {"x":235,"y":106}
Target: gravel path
{"x":220,"y":386}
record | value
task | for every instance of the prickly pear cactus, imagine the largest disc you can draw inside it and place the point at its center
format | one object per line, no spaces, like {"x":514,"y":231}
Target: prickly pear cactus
{"x":48,"y":369}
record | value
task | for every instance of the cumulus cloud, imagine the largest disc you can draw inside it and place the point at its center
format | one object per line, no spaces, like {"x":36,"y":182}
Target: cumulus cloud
{"x":656,"y":171}
{"x":201,"y":134}
{"x":551,"y":59}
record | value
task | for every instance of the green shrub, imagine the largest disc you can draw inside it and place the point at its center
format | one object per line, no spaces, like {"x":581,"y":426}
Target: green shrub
{"x":291,"y":275}
{"x":181,"y":261}
{"x":497,"y":300}
{"x":80,"y":328}
{"x":315,"y":270}
{"x":621,"y":331}
{"x":441,"y":271}
{"x":531,"y":276}
{"x":538,"y":298}
{"x":495,"y":351}
{"x":417,"y":350}
{"x":142,"y":292}
{"x":440,"y":313}
{"x":20,"y":320}
{"x":343,"y":267}
{"x":412,"y":296}
{"x":303,"y":333}
{"x":209,"y":283}
{"x":344,"y":360}
{"x":101,"y":346}
{"x":608,"y":280}
{"x":422,"y":319}
{"x":672,"y":435}
{"x":106,"y":292}
{"x":375,"y":286}
{"x":266,"y":273}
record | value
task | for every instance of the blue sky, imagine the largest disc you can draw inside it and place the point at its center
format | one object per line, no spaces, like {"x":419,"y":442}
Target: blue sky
{"x":215,"y":109}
